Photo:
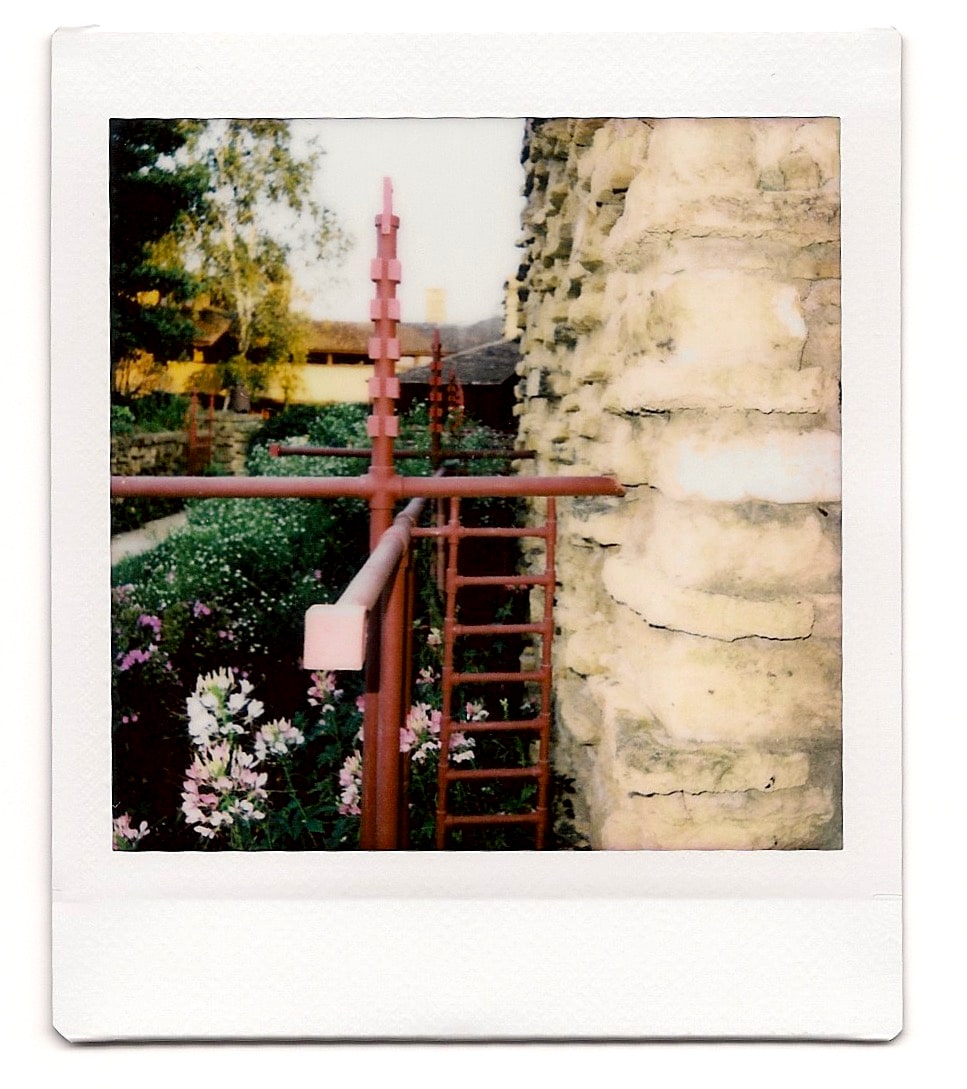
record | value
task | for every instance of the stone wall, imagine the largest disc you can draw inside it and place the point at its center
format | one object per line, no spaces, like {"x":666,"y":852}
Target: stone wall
{"x":680,"y":330}
{"x":165,"y":453}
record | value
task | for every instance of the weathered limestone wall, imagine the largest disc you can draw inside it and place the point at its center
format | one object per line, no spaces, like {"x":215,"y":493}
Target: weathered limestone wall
{"x":165,"y":453}
{"x":680,"y":330}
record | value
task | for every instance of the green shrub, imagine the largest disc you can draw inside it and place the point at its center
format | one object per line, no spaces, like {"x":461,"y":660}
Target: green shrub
{"x":122,"y":420}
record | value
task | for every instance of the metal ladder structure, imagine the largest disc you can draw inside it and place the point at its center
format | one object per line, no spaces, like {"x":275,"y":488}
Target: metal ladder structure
{"x":537,"y":728}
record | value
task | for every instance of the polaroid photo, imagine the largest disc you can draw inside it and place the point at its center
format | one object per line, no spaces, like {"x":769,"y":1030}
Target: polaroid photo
{"x":476,"y":536}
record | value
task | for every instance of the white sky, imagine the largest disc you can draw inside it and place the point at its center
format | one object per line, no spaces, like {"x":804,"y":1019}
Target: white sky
{"x":457,"y":190}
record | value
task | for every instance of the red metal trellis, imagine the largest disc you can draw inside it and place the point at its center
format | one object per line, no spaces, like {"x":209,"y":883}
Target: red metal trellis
{"x":200,"y":443}
{"x":368,"y":627}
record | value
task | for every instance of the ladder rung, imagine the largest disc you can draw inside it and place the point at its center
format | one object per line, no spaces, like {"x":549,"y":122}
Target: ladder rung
{"x":533,"y":817}
{"x":484,"y":726}
{"x":479,"y":531}
{"x":501,"y":580}
{"x":453,"y":774}
{"x":526,"y":677}
{"x":501,"y":531}
{"x":500,"y":629}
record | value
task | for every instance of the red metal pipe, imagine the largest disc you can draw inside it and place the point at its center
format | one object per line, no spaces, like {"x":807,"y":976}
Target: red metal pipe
{"x":360,"y":487}
{"x":375,"y":574}
{"x":483,"y":486}
{"x":277,"y":451}
{"x":387,"y":761}
{"x":245,"y":487}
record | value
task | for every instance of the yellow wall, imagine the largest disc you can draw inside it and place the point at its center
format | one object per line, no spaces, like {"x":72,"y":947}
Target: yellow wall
{"x":299,"y":384}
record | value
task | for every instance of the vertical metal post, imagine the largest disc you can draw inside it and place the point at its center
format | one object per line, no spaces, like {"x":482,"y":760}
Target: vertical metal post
{"x":449,"y":635}
{"x":382,"y":714}
{"x":547,"y":634}
{"x":408,"y":615}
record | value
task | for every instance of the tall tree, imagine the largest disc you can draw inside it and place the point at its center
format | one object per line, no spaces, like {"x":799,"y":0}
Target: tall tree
{"x":258,"y":218}
{"x":150,"y":193}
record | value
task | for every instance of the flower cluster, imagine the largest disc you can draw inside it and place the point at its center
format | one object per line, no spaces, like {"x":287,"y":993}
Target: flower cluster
{"x":126,"y":836}
{"x":420,"y":735}
{"x":226,"y":785}
{"x":215,"y":703}
{"x":140,"y":655}
{"x":277,"y":738}
{"x":351,"y":785}
{"x":222,"y":786}
{"x":323,"y":690}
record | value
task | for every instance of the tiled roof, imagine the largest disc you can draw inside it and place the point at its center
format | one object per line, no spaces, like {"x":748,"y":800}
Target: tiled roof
{"x":489,"y":365}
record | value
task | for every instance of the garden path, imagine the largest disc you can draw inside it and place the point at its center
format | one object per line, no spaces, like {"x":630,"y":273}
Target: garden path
{"x":144,"y":539}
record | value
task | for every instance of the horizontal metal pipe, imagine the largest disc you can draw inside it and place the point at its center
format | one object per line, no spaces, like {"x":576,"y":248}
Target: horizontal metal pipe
{"x":358,"y":487}
{"x":482,"y":531}
{"x":503,"y":580}
{"x":498,"y":629}
{"x":526,"y":677}
{"x":371,"y":579}
{"x":494,"y":818}
{"x":484,"y":726}
{"x":364,"y":452}
{"x":245,"y":487}
{"x":459,"y":774}
{"x":483,"y":486}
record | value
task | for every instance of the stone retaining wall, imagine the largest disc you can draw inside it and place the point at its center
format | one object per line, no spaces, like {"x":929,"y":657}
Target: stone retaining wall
{"x":680,"y":330}
{"x":165,"y":453}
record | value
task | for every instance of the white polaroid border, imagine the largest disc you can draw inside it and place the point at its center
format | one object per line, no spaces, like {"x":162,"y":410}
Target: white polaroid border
{"x":609,"y":945}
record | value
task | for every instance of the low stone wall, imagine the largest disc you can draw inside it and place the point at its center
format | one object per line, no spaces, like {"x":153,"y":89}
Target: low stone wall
{"x":165,"y":453}
{"x":680,"y":330}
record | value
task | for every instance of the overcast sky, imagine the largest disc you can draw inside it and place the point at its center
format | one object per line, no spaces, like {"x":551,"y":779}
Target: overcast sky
{"x":457,"y":190}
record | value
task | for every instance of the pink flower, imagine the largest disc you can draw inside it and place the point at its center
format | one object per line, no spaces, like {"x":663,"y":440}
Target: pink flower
{"x":126,"y":837}
{"x":351,"y":781}
{"x":201,"y":609}
{"x":323,"y":686}
{"x":152,"y":622}
{"x":134,"y":656}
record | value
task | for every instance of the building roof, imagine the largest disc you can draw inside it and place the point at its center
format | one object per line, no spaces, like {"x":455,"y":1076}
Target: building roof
{"x":352,"y":337}
{"x":487,"y":365}
{"x":416,"y":338}
{"x":211,"y":325}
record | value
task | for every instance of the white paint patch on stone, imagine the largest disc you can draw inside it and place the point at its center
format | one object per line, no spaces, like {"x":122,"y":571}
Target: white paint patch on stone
{"x":789,"y":311}
{"x":778,"y":468}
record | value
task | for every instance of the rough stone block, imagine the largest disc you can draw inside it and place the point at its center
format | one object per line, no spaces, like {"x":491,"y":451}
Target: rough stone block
{"x":663,"y":385}
{"x":615,"y":164}
{"x":784,"y":820}
{"x":646,"y":765}
{"x":750,"y":550}
{"x":710,"y":319}
{"x":717,"y":616}
{"x":702,"y":689}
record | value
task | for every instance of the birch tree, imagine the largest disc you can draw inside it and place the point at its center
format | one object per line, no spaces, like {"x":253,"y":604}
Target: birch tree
{"x":260,"y":219}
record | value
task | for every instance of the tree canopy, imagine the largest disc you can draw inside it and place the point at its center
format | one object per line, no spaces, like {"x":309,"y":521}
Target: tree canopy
{"x":258,"y":218}
{"x":149,"y":196}
{"x":222,"y":207}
